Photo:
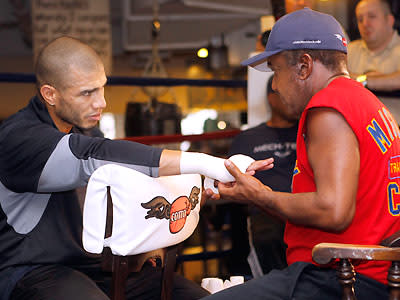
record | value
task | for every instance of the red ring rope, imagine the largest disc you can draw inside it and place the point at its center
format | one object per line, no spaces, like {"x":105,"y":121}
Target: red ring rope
{"x":176,"y":138}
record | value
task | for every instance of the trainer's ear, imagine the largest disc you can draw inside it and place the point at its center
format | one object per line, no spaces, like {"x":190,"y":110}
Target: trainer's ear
{"x":305,"y":66}
{"x":49,"y":94}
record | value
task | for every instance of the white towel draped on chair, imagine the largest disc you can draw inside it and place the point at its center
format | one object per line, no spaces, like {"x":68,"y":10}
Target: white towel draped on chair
{"x":148,"y":213}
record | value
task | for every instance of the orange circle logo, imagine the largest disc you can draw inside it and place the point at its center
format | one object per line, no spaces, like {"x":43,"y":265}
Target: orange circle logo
{"x":180,"y":209}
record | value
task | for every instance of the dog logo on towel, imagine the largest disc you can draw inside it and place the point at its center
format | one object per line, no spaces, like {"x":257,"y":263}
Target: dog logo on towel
{"x":176,"y":212}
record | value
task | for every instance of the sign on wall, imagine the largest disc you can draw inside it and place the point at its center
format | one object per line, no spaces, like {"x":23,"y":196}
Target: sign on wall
{"x":86,"y":20}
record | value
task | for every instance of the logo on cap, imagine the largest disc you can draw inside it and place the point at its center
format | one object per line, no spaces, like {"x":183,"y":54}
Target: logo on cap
{"x":176,"y":212}
{"x":341,"y":38}
{"x":307,"y":42}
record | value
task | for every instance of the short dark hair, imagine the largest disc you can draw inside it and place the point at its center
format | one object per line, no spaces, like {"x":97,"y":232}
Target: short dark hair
{"x":56,"y":58}
{"x":269,"y":85}
{"x":332,"y":59}
{"x":264,"y":37}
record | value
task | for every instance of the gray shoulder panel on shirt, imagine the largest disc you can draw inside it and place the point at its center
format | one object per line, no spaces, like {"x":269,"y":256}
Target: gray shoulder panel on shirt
{"x":23,"y":210}
{"x":64,"y":171}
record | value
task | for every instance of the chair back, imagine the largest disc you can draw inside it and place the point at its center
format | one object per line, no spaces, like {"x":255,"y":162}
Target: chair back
{"x":148,"y":213}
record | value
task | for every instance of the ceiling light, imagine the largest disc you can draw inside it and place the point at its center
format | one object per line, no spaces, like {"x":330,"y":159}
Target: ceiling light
{"x":221,"y":125}
{"x":202,"y":53}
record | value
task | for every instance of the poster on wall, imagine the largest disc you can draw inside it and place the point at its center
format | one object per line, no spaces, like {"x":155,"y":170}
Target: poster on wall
{"x":86,"y":20}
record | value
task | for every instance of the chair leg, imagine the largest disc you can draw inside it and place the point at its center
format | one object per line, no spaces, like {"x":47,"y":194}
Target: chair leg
{"x":168,"y":273}
{"x":119,"y":276}
{"x":346,"y":277}
{"x":394,"y":281}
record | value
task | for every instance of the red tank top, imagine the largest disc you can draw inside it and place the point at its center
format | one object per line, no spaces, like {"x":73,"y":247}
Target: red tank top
{"x":378,"y":197}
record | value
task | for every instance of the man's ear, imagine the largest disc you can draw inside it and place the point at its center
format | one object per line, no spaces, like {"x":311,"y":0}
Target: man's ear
{"x":391,"y":20}
{"x":305,"y":66}
{"x":49,"y":94}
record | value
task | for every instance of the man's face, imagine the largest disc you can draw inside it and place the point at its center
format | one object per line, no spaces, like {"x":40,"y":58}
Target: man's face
{"x":287,"y":85}
{"x":280,"y":108}
{"x":374,"y":24}
{"x":81,"y":102}
{"x":293,"y":5}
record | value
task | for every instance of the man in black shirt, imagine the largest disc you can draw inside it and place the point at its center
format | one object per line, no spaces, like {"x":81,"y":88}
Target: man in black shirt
{"x":275,"y":138}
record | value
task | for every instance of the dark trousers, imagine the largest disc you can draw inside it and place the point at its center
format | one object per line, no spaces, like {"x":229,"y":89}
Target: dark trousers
{"x":301,"y":281}
{"x":266,"y":233}
{"x":58,"y":282}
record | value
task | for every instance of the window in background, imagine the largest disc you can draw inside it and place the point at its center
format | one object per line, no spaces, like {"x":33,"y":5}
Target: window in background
{"x":193,"y":123}
{"x":107,"y":125}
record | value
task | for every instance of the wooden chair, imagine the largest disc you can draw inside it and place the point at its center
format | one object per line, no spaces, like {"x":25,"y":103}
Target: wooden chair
{"x":128,"y":216}
{"x":122,"y":266}
{"x":388,"y":250}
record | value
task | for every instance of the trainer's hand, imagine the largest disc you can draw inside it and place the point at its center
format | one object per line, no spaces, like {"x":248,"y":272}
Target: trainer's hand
{"x":260,"y":165}
{"x":245,"y":188}
{"x":206,"y":195}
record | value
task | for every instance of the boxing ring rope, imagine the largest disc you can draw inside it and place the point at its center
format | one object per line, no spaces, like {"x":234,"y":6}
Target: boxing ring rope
{"x":138,"y":81}
{"x":176,"y":138}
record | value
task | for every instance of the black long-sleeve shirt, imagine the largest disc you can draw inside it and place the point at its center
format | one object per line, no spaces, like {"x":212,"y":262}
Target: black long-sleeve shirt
{"x":40,"y":170}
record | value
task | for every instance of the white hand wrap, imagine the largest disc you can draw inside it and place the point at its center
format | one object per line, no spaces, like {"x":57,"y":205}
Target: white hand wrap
{"x":240,"y":160}
{"x":207,"y":165}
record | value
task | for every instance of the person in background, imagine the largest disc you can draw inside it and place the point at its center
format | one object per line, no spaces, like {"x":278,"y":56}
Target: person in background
{"x":342,"y":188}
{"x":262,"y":40}
{"x":45,"y":158}
{"x":275,"y":138}
{"x":293,"y":5}
{"x":374,"y":59}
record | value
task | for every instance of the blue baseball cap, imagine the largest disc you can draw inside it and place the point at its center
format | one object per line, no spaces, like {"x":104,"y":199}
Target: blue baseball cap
{"x":302,"y":29}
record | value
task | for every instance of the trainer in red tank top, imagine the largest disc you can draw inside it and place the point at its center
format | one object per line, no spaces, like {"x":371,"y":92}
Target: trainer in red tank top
{"x":378,"y":197}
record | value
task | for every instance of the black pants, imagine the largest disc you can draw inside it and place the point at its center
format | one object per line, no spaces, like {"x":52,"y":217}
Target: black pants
{"x":301,"y":281}
{"x":267,"y":235}
{"x":58,"y":282}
